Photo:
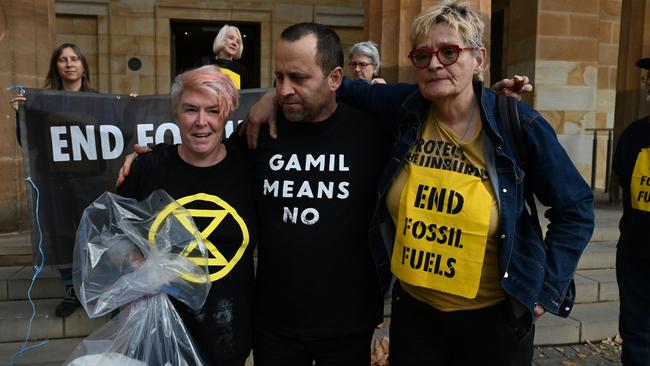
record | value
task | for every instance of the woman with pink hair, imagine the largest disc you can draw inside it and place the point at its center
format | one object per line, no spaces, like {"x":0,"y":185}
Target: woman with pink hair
{"x":212,"y":179}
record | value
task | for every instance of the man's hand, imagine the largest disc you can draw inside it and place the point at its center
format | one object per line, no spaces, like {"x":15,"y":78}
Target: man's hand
{"x":128,"y":160}
{"x":538,"y":311}
{"x":263,"y":111}
{"x":513,"y":87}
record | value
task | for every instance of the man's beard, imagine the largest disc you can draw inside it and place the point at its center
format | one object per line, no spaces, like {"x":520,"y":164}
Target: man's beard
{"x":307,"y":114}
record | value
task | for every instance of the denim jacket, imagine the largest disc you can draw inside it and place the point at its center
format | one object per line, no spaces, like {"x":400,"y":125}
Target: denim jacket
{"x":533,"y":270}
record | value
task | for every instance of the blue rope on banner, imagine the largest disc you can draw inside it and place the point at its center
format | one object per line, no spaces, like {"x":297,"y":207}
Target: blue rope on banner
{"x":37,"y":271}
{"x":18,"y":88}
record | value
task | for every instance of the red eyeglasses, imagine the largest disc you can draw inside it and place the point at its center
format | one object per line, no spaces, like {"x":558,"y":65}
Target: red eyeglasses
{"x":446,"y":55}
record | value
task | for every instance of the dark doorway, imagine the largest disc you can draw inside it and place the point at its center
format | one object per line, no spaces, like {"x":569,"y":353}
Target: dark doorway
{"x":192,"y":40}
{"x":496,"y":41}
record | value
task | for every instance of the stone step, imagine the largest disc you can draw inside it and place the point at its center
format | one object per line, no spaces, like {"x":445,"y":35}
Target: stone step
{"x":596,"y":285}
{"x":598,"y":255}
{"x":15,"y":314}
{"x":15,"y":249}
{"x":587,"y":322}
{"x":54,"y":352}
{"x":15,"y":281}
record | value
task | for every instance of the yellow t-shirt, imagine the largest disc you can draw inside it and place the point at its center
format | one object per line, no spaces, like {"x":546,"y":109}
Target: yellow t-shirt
{"x":438,"y":154}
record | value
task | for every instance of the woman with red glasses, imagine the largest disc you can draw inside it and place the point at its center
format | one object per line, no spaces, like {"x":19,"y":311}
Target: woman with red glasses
{"x":472,"y":271}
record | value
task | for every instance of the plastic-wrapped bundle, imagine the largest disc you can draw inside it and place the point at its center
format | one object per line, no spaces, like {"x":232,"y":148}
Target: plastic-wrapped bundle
{"x":135,"y":254}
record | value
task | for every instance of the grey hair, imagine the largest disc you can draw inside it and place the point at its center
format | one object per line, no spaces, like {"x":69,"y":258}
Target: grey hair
{"x":219,"y":40}
{"x":368,"y":49}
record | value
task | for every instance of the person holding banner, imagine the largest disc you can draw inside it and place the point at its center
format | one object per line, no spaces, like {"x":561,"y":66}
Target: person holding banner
{"x":213,"y":180}
{"x":69,"y":72}
{"x":472,"y":272}
{"x":632,"y":165}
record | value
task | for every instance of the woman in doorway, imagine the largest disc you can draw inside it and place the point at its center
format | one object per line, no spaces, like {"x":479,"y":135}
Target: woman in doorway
{"x":228,"y":47}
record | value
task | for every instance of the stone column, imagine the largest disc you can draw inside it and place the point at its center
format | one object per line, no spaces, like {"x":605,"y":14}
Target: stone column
{"x":27,"y":36}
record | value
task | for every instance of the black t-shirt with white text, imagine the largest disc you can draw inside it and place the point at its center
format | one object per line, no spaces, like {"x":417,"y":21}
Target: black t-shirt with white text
{"x":222,"y":199}
{"x":316,"y":187}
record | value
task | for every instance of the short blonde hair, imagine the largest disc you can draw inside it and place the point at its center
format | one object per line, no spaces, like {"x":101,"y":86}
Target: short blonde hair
{"x":458,"y":15}
{"x":220,"y":39}
{"x":208,"y":79}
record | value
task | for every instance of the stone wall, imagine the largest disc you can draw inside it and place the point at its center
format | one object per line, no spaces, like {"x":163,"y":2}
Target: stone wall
{"x":575,"y":74}
{"x":26,"y":41}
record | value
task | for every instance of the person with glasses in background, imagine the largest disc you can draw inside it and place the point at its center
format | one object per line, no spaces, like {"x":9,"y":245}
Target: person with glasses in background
{"x":364,"y":62}
{"x":632,"y":165}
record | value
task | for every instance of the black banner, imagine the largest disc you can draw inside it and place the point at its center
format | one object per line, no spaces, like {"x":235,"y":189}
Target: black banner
{"x":74,"y":145}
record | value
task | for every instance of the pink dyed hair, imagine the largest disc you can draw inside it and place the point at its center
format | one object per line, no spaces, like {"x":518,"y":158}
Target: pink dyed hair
{"x":208,"y":79}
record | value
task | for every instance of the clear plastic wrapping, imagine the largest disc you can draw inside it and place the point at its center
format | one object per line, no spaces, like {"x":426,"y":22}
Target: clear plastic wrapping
{"x":131,"y":255}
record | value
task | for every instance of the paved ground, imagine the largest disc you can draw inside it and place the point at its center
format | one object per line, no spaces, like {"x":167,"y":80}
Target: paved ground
{"x":589,"y":354}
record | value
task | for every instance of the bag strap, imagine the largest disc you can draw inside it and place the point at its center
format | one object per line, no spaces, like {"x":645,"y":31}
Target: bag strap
{"x":511,"y":127}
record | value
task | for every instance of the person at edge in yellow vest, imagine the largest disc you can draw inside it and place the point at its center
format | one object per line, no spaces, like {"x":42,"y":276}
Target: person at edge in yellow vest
{"x":632,"y":165}
{"x":472,"y":272}
{"x":228,"y":47}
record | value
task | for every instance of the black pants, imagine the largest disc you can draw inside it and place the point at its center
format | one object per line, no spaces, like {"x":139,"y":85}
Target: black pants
{"x":272,"y":347}
{"x":421,"y":335}
{"x":633,"y":276}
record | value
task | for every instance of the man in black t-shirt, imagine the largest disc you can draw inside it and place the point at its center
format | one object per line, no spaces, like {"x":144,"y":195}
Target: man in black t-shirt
{"x":632,"y":165}
{"x":318,"y":295}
